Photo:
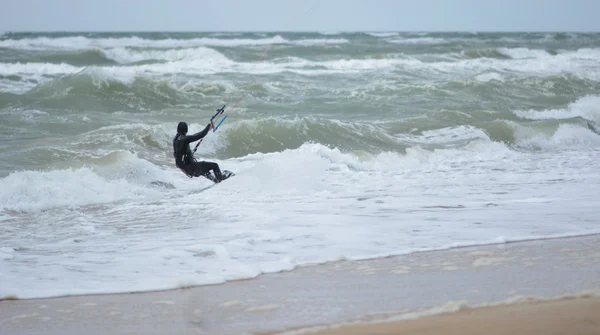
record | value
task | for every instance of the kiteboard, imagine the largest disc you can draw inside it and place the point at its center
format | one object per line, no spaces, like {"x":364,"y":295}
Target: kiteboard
{"x":225,"y":175}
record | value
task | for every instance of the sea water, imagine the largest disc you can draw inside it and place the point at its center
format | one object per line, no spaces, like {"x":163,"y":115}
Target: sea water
{"x":344,"y":145}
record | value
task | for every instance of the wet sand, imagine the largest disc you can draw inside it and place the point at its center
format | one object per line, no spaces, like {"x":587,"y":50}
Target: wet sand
{"x":371,"y":290}
{"x":578,"y":315}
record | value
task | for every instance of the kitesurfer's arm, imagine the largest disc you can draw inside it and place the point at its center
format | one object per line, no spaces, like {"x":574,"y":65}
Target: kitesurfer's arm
{"x":197,"y":136}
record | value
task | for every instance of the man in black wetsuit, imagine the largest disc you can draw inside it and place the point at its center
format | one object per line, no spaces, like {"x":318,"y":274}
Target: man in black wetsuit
{"x":184,"y":158}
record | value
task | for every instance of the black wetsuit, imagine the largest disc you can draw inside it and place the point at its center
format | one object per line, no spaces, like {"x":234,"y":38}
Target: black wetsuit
{"x":184,"y":158}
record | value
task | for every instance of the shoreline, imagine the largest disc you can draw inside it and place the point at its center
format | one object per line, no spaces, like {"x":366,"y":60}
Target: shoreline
{"x":12,"y":297}
{"x":326,"y":294}
{"x":514,"y":316}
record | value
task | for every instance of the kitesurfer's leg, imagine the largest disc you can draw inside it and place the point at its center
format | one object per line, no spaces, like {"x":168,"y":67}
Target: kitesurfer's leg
{"x":205,"y":167}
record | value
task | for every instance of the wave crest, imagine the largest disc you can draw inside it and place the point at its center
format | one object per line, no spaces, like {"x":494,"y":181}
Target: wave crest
{"x":115,"y":177}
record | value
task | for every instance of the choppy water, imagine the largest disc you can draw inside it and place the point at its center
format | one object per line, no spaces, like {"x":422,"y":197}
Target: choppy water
{"x":345,"y":145}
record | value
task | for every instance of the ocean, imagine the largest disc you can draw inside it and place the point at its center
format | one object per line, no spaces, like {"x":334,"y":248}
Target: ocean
{"x":345,"y":145}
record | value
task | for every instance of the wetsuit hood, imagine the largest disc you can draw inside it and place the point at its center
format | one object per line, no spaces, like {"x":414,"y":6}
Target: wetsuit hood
{"x":182,"y":128}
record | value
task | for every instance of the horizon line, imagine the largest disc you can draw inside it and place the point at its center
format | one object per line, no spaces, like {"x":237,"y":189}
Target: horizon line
{"x":298,"y":31}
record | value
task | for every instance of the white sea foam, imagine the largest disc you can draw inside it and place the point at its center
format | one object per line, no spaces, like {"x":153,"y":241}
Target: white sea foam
{"x":524,"y":53}
{"x":80,"y":42}
{"x":529,"y":63}
{"x":419,"y":40}
{"x":39,"y":69}
{"x":263,"y":221}
{"x":221,"y":34}
{"x":383,"y":34}
{"x":447,"y":136}
{"x":126,"y":55}
{"x":122,"y":177}
{"x":565,"y":137}
{"x":587,"y":107}
{"x":309,"y":42}
{"x":6,"y":252}
{"x":31,"y":74}
{"x":16,"y":87}
{"x":205,"y":61}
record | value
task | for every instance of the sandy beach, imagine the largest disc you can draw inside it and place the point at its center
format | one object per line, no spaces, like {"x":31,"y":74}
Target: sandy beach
{"x":539,"y":287}
{"x":576,"y":315}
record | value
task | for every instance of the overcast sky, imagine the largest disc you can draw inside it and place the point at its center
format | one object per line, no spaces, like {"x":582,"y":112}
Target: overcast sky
{"x":294,"y":15}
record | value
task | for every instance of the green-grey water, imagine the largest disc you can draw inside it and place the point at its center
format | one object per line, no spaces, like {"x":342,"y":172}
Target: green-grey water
{"x":354,"y":144}
{"x":359,"y":90}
